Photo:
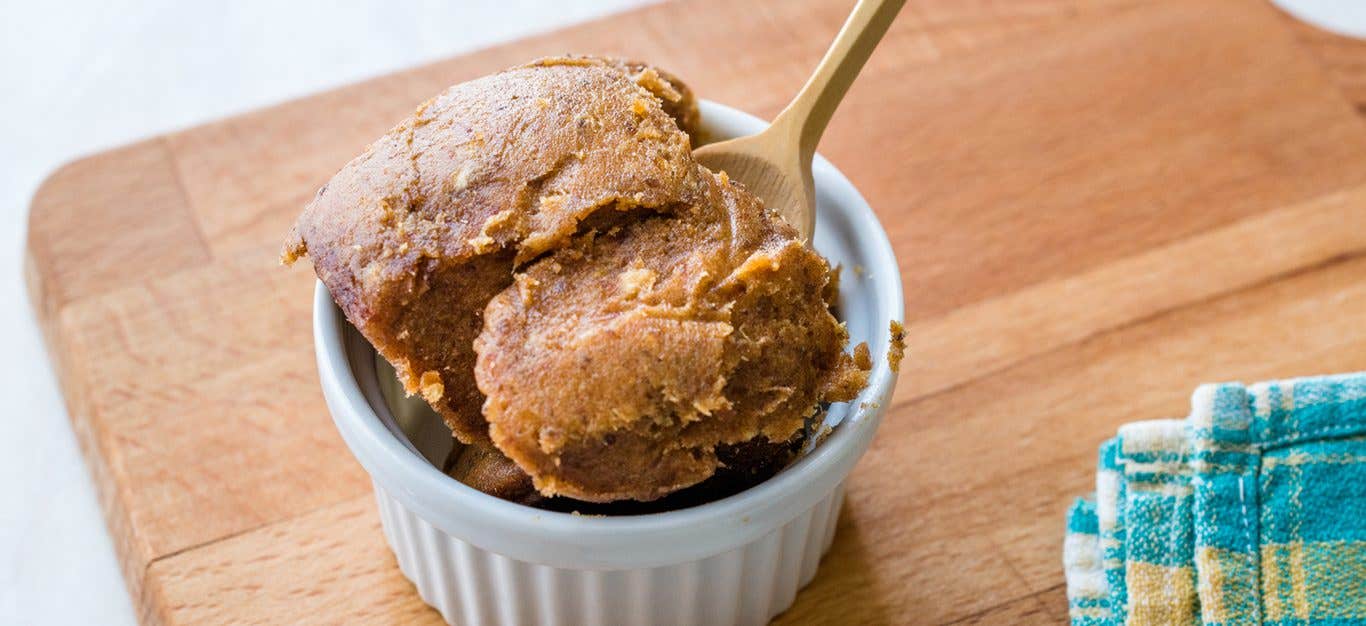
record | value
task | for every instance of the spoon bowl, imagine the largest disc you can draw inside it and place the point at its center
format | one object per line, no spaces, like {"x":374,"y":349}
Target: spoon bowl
{"x":775,"y":164}
{"x":779,"y":178}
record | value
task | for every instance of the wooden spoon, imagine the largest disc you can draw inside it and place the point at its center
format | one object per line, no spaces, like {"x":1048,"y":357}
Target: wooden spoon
{"x":775,"y":165}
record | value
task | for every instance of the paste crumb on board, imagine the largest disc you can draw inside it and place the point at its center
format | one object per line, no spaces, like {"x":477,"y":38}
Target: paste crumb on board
{"x":897,"y":348}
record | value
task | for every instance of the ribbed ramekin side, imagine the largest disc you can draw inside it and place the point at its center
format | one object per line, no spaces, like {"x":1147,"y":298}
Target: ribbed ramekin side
{"x":746,"y":585}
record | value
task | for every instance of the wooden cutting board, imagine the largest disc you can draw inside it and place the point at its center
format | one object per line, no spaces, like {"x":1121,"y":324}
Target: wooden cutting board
{"x":1096,"y":205}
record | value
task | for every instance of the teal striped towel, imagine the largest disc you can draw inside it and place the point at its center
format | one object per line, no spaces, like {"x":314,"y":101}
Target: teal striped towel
{"x":1250,"y":511}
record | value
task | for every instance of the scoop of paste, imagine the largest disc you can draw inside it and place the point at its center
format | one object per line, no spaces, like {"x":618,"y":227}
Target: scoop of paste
{"x":415,"y":235}
{"x":615,"y":366}
{"x":596,"y":314}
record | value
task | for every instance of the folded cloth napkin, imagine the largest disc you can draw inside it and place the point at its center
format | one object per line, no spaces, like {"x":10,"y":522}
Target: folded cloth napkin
{"x":1250,"y":511}
{"x":1088,"y":594}
{"x":1159,"y":564}
{"x":1110,"y":518}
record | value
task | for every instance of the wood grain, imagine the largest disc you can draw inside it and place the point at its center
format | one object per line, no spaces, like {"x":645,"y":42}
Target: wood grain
{"x":1171,"y":142}
{"x":1027,"y":610}
{"x":331,"y":565}
{"x":83,"y":201}
{"x":1097,"y":205}
{"x":1343,"y":57}
{"x":984,"y":337}
{"x":195,"y":436}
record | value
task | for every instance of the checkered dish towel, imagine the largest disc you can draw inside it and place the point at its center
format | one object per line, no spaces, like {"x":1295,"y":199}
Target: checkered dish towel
{"x":1252,"y":511}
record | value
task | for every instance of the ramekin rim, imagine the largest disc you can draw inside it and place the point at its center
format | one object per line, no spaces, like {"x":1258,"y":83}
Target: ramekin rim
{"x":414,"y":481}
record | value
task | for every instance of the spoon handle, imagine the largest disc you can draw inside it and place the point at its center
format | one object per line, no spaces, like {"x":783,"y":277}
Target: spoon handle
{"x":808,"y":113}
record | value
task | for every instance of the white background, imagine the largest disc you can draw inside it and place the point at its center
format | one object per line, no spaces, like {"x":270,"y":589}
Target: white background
{"x":82,"y":75}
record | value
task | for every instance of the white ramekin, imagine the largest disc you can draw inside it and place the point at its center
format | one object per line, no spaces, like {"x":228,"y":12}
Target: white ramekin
{"x":739,"y":560}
